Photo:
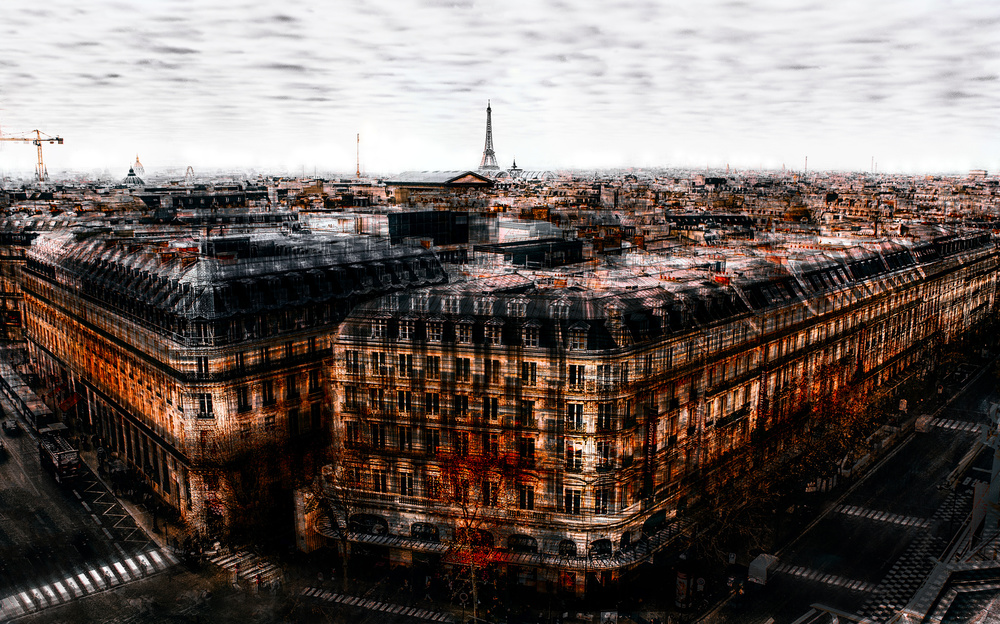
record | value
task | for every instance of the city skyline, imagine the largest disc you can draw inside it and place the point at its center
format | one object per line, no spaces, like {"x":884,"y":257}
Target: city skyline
{"x":751,"y":85}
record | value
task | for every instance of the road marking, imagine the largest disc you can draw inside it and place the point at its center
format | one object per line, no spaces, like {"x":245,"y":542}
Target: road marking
{"x":101,"y":582}
{"x":821,"y":577}
{"x":108,"y":533}
{"x":29,"y":604}
{"x":86,"y":583}
{"x":147,"y":567}
{"x":110,"y":577}
{"x":96,"y":519}
{"x":85,"y":505}
{"x":133,"y":568}
{"x":77,"y":495}
{"x":51,"y":595}
{"x":883,"y":516}
{"x":120,"y":569}
{"x":62,"y":591}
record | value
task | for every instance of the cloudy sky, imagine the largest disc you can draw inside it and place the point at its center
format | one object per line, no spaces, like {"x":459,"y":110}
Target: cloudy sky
{"x":268,"y":85}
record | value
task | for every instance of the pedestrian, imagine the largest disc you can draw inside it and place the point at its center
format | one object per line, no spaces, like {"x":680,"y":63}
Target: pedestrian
{"x":319,"y":578}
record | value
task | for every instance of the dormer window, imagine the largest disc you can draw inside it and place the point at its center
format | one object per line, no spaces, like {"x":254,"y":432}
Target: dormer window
{"x":530,"y":335}
{"x":435,"y":330}
{"x":421,"y":302}
{"x":406,"y":330}
{"x":483,"y":305}
{"x":379,"y":328}
{"x":578,"y":337}
{"x":494,"y":334}
{"x":517,"y":308}
{"x":451,"y":305}
{"x":560,"y":309}
{"x":463,"y":333}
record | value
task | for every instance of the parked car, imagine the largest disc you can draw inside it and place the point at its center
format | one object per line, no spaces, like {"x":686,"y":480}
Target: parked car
{"x":11,"y":428}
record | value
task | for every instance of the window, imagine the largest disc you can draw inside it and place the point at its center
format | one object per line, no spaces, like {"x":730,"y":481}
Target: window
{"x":404,"y":437}
{"x":406,"y":330}
{"x":242,"y":399}
{"x":525,"y":496}
{"x":463,"y":333}
{"x":463,"y":369}
{"x":517,"y":307}
{"x":491,"y":492}
{"x":432,"y":441}
{"x":312,"y":345}
{"x":404,"y":400}
{"x":379,"y":328}
{"x":267,"y":391}
{"x":492,"y":371}
{"x":421,"y":302}
{"x":525,"y":414}
{"x":405,"y":480}
{"x":432,"y":486}
{"x":241,"y":361}
{"x":576,"y":373}
{"x":483,"y":305}
{"x":376,"y":399}
{"x":201,"y":364}
{"x":605,"y":451}
{"x":491,"y":407}
{"x":352,"y":362}
{"x":293,"y":421}
{"x":405,"y":368}
{"x":378,"y":433}
{"x":602,"y":500}
{"x":530,"y":336}
{"x":461,"y":405}
{"x":352,"y":431}
{"x":571,"y":501}
{"x":605,"y":416}
{"x":435,"y":331}
{"x":494,"y":335}
{"x":432,"y":403}
{"x":529,"y":372}
{"x":526,"y":450}
{"x":289,"y":351}
{"x":574,"y":456}
{"x":205,"y":406}
{"x":291,"y":387}
{"x":491,"y":444}
{"x":604,"y":375}
{"x":433,"y":366}
{"x":578,"y":339}
{"x":380,"y":482}
{"x":314,"y":381}
{"x":461,"y":439}
{"x":451,"y":305}
{"x":574,"y":416}
{"x":379,"y":362}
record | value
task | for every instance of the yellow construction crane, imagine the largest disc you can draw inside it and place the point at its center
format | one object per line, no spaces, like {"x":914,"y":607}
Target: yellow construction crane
{"x":38,"y":139}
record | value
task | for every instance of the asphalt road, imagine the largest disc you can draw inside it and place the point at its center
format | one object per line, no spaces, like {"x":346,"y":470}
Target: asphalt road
{"x":874,"y":548}
{"x":51,"y":534}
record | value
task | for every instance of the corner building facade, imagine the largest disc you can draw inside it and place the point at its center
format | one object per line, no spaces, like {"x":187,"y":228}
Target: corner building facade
{"x":189,"y":351}
{"x":611,"y":406}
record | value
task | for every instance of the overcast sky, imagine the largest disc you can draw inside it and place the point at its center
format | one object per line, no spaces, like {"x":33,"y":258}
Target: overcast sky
{"x":914,"y":84}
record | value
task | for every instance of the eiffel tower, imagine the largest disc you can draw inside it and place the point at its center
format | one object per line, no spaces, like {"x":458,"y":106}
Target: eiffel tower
{"x":489,"y":162}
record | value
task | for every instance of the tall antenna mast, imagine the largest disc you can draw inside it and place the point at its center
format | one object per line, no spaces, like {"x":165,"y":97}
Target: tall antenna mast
{"x":358,"y":174}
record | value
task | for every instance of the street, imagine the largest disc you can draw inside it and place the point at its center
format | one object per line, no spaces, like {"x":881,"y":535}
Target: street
{"x":875,"y":547}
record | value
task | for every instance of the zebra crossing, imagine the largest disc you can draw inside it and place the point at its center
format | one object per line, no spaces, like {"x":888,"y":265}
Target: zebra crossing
{"x":90,"y":581}
{"x":375,"y":605}
{"x":883,"y":516}
{"x":249,"y":567}
{"x":916,"y":563}
{"x":956,"y":425}
{"x":821,"y":577}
